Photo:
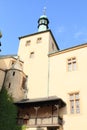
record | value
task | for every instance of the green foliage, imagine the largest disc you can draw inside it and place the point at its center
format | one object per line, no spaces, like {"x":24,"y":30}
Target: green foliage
{"x":8,"y":112}
{"x":23,"y":127}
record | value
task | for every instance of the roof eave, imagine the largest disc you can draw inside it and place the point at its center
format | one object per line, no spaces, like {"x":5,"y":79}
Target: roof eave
{"x":41,"y":101}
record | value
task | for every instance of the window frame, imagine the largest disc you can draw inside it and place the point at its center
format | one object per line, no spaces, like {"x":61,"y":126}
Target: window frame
{"x":27,"y":43}
{"x":71,"y":64}
{"x":32,"y":54}
{"x":74,"y":103}
{"x":39,"y":40}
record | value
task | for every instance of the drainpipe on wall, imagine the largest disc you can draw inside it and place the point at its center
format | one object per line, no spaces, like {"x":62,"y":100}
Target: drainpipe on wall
{"x":48,"y":76}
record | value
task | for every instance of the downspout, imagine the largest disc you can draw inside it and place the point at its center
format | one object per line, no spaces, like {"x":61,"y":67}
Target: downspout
{"x":48,"y":76}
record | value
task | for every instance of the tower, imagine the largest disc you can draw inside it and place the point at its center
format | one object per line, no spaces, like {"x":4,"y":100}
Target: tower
{"x":15,"y":80}
{"x":33,"y":51}
{"x":43,"y":22}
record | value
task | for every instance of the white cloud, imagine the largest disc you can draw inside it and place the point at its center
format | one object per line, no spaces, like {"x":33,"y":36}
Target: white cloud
{"x":61,"y":29}
{"x":78,"y":34}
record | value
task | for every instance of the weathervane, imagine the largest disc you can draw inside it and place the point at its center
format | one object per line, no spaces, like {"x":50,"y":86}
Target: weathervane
{"x":44,"y":11}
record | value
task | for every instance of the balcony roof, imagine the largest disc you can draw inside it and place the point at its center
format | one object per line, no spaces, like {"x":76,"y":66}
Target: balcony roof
{"x":53,"y":100}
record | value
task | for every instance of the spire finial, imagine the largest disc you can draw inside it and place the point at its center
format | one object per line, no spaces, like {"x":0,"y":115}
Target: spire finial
{"x":44,"y":11}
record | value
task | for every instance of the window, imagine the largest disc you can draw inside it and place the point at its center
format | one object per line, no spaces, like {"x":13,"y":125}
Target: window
{"x":41,"y":21}
{"x":32,"y":55}
{"x":74,"y":103}
{"x":71,"y":62}
{"x":13,"y":73}
{"x":45,"y":21}
{"x":12,"y":62}
{"x":28,"y":43}
{"x":52,"y":46}
{"x":39,"y":40}
{"x":9,"y":85}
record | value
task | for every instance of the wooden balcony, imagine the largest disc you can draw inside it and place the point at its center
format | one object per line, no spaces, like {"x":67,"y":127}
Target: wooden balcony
{"x":41,"y":121}
{"x":40,"y":112}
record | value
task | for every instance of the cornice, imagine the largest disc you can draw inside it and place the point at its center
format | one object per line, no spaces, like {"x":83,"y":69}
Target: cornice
{"x":68,"y":50}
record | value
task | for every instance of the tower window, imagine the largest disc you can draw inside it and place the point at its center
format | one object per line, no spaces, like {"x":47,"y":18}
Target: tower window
{"x":71,"y":64}
{"x":28,"y":43}
{"x":9,"y":85}
{"x":39,"y":40}
{"x":45,"y":21}
{"x":32,"y":55}
{"x":74,"y":103}
{"x":52,"y":46}
{"x":12,"y":62}
{"x":13,"y":73}
{"x":41,"y":21}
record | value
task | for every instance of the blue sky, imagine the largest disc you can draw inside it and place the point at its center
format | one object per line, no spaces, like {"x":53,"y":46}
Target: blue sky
{"x":68,"y":21}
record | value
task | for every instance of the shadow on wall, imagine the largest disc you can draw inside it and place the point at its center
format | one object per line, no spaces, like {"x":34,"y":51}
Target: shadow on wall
{"x":63,"y":111}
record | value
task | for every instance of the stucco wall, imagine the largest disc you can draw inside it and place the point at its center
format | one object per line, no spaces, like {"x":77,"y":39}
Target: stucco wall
{"x":62,"y":82}
{"x":36,"y":67}
{"x":50,"y":76}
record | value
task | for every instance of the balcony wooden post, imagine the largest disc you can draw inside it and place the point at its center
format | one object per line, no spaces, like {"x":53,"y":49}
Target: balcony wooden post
{"x":52,"y":114}
{"x":57,"y":106}
{"x":36,"y":109}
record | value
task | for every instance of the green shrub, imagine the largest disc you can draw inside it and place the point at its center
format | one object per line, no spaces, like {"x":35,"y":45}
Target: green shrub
{"x":8,"y":112}
{"x":23,"y":127}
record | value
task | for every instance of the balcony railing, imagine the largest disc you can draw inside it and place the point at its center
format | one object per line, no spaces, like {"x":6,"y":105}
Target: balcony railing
{"x":41,"y":121}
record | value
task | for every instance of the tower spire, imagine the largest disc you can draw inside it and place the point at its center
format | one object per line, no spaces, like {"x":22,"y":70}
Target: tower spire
{"x":43,"y":22}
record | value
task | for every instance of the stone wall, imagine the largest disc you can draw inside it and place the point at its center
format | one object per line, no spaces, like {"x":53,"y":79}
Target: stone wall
{"x":2,"y":76}
{"x":14,"y":83}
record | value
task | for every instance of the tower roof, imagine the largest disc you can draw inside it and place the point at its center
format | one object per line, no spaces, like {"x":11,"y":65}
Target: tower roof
{"x":43,"y":22}
{"x":43,"y":16}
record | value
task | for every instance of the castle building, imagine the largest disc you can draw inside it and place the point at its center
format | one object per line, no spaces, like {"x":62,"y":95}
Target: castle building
{"x":48,"y":85}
